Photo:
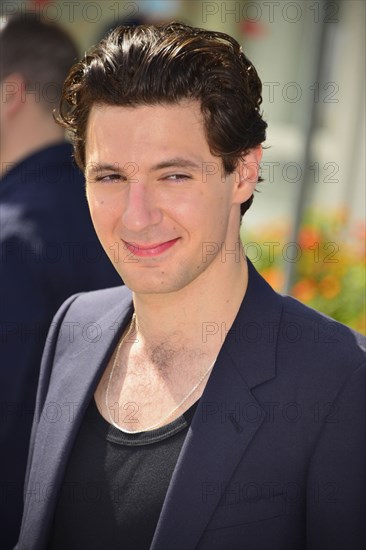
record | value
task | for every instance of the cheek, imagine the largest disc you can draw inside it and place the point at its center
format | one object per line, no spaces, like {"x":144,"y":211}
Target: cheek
{"x":203,"y":213}
{"x":104,"y":214}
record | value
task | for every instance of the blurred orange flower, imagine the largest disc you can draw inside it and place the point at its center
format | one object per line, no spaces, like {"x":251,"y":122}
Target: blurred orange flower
{"x":308,"y":237}
{"x":329,"y":287}
{"x":329,"y":273}
{"x":304,"y":290}
{"x":275,"y":277}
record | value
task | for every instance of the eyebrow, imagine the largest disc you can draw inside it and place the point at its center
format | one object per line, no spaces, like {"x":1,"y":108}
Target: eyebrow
{"x":94,"y":167}
{"x":176,"y":162}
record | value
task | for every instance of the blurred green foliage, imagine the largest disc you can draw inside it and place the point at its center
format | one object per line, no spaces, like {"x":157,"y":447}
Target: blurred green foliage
{"x":330,"y":264}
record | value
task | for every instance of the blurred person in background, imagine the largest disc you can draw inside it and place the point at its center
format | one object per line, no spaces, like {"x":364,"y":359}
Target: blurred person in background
{"x":210,"y":412}
{"x":49,"y":249}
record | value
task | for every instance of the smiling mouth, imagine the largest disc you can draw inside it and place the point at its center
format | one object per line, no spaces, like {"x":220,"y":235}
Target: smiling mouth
{"x":149,"y":250}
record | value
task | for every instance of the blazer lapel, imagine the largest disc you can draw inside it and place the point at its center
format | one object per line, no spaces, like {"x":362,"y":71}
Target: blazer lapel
{"x":73,"y":382}
{"x":219,"y":434}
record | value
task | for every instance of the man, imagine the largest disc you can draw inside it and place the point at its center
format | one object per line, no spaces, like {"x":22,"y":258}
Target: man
{"x":49,"y":249}
{"x":210,"y":412}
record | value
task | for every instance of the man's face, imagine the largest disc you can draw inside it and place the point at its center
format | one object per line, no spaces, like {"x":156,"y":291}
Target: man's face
{"x":160,"y":202}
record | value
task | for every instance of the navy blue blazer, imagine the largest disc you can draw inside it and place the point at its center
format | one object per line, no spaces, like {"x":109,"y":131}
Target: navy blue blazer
{"x":48,"y":252}
{"x":274,"y":458}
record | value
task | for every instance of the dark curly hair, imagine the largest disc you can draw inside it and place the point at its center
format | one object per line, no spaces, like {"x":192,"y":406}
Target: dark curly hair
{"x":167,"y":63}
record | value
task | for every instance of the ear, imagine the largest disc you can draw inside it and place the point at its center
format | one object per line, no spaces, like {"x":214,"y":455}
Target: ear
{"x":246,"y":174}
{"x":12,"y":94}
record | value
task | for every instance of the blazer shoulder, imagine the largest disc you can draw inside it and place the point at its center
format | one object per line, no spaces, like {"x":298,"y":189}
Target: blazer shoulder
{"x":308,"y":316}
{"x":83,"y":318}
{"x":326,"y":343}
{"x":95,"y":304}
{"x":80,"y":321}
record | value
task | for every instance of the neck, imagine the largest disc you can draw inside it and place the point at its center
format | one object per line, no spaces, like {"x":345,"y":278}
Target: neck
{"x":27,"y":135}
{"x":199,"y":316}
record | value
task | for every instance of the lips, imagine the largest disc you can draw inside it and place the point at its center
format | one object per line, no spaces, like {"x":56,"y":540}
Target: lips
{"x":149,"y":250}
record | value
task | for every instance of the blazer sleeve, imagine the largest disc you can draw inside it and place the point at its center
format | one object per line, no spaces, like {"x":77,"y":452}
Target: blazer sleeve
{"x":45,"y":373}
{"x":336,"y":493}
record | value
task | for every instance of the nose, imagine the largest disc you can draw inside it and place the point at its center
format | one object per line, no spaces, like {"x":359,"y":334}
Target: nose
{"x":140,"y":209}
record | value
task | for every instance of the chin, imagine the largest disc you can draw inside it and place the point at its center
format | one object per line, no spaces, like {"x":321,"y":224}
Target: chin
{"x":149,"y":284}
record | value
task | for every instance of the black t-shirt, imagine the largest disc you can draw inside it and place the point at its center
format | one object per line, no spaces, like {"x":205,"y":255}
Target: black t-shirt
{"x":115,"y":484}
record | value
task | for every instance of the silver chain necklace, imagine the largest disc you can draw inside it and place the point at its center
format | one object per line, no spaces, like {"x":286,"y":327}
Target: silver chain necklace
{"x":132,"y":325}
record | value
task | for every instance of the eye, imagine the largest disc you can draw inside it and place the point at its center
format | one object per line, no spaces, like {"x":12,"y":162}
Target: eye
{"x":178,"y":177}
{"x":110,"y":178}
